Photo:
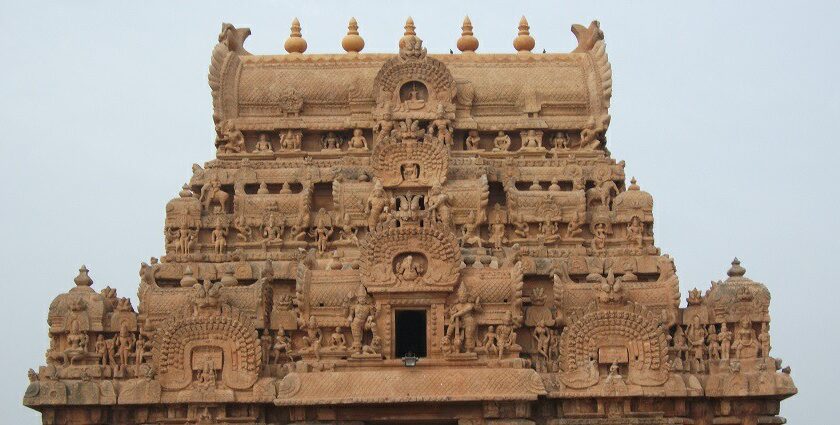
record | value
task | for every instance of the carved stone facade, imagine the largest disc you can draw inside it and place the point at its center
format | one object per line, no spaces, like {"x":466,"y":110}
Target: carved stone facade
{"x":366,"y":212}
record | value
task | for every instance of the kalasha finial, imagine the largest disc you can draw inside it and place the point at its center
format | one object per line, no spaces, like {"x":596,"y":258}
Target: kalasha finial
{"x":409,"y":27}
{"x":353,"y":42}
{"x":524,"y":43}
{"x":83,"y":279}
{"x":409,"y":35}
{"x":295,"y":43}
{"x":411,"y":46}
{"x":467,"y":43}
{"x":736,"y":270}
{"x":633,"y":185}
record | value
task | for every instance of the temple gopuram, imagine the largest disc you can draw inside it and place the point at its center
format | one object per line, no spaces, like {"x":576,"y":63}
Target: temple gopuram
{"x":411,"y":238}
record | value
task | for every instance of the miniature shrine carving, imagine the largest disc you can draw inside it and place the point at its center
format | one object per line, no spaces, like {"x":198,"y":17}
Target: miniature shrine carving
{"x":411,"y":238}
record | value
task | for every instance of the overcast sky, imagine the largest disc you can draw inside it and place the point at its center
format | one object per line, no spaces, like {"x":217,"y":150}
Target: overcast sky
{"x":725,"y":111}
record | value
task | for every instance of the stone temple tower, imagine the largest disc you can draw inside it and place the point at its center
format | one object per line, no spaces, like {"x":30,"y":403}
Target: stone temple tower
{"x":411,"y":238}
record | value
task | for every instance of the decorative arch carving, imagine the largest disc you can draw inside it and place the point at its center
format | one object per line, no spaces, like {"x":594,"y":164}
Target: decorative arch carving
{"x":398,"y":72}
{"x":230,"y":333}
{"x":633,"y":329}
{"x":408,"y":259}
{"x":393,"y":162}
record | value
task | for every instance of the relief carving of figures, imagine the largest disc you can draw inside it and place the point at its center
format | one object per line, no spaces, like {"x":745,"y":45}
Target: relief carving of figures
{"x":361,"y":315}
{"x":461,"y":325}
{"x":376,"y":204}
{"x":696,"y":334}
{"x":469,"y":231}
{"x":331,"y":141}
{"x":76,"y":345}
{"x":282,"y":346}
{"x":745,"y":343}
{"x":409,"y":269}
{"x":358,"y":141}
{"x":506,"y":335}
{"x":219,"y":238}
{"x":412,"y":98}
{"x":439,"y":206}
{"x":211,"y":192}
{"x":374,"y":348}
{"x":263,"y":145}
{"x":322,"y":231}
{"x":347,"y":233}
{"x":542,"y":339}
{"x":712,"y":344}
{"x":489,"y":341}
{"x":599,"y":237}
{"x":101,"y":349}
{"x":635,"y":231}
{"x":384,"y":127}
{"x":441,"y":127}
{"x":273,"y":228}
{"x":592,"y":137}
{"x":473,"y":141}
{"x":313,"y":337}
{"x":337,"y":341}
{"x":497,"y":231}
{"x":532,"y":139}
{"x":764,"y":341}
{"x":290,"y":140}
{"x":243,"y":229}
{"x":679,"y":348}
{"x":604,"y":191}
{"x":124,"y":345}
{"x":520,"y":227}
{"x":550,"y":231}
{"x":725,"y":338}
{"x":501,"y":143}
{"x":229,"y":139}
{"x":560,"y":141}
{"x":574,"y":228}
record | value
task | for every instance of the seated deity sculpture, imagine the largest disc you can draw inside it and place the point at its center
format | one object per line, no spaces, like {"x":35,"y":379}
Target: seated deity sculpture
{"x":358,"y":141}
{"x":290,"y":141}
{"x":229,"y":138}
{"x":337,"y":340}
{"x":574,"y":229}
{"x":469,"y":232}
{"x":413,"y":99}
{"x":560,"y":140}
{"x":472,"y":141}
{"x":408,"y":269}
{"x":532,"y":140}
{"x":501,"y":143}
{"x":282,"y":346}
{"x":263,"y":145}
{"x":745,"y":343}
{"x":331,"y":141}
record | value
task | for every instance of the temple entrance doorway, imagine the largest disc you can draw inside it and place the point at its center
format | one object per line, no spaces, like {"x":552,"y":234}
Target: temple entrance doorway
{"x":410,"y":333}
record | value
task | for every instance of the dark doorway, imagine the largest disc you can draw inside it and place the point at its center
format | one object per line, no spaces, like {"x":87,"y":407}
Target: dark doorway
{"x":410,"y":333}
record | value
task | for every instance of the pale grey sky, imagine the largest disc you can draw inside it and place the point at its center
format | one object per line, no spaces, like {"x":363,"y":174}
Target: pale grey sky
{"x":725,"y":111}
